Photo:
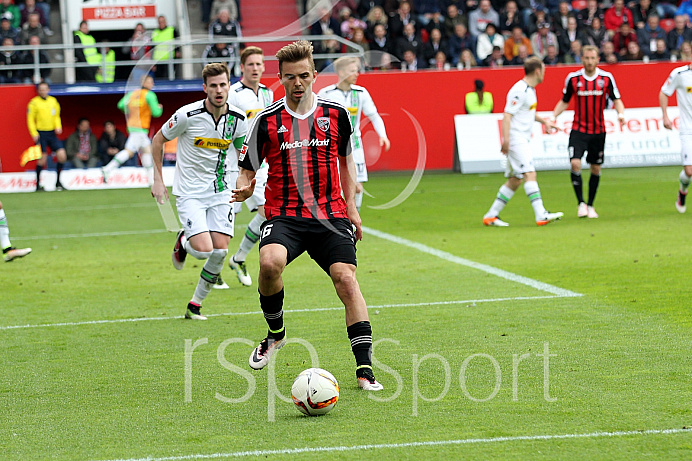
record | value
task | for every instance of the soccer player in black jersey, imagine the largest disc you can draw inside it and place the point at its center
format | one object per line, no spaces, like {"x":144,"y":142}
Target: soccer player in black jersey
{"x":306,"y":142}
{"x":592,"y":88}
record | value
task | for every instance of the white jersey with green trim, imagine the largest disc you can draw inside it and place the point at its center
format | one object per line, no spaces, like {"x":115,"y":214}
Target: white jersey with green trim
{"x":521,"y":103}
{"x":358,"y":102}
{"x":680,"y":81}
{"x":245,"y":98}
{"x":203,"y":156}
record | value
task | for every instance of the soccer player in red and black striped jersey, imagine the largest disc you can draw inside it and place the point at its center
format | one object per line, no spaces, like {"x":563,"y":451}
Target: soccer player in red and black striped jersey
{"x":592,"y":88}
{"x":306,"y":142}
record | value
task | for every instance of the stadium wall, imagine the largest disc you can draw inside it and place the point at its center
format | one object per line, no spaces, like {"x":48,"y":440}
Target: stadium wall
{"x":428,"y":100}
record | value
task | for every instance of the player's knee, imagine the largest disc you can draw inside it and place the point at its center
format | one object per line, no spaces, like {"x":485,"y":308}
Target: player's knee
{"x":344,"y":278}
{"x":218,"y":255}
{"x":271,"y":267}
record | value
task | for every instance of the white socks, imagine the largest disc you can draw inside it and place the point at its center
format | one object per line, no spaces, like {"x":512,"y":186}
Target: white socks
{"x":684,"y":181}
{"x":4,"y":231}
{"x":148,"y":164}
{"x":534,"y":195}
{"x":250,"y":238}
{"x":503,"y":196}
{"x":120,"y":158}
{"x":209,"y":275}
{"x":359,"y":200}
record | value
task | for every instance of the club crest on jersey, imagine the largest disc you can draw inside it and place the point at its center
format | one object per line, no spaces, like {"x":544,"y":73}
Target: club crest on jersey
{"x":173,"y":120}
{"x":599,"y":83}
{"x":323,"y":123}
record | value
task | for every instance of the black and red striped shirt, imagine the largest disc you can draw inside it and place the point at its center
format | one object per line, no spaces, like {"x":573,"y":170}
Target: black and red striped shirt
{"x":592,"y":94}
{"x":302,"y":151}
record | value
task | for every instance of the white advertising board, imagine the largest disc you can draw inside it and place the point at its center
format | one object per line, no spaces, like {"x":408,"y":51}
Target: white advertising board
{"x":641,"y":142}
{"x":119,"y":14}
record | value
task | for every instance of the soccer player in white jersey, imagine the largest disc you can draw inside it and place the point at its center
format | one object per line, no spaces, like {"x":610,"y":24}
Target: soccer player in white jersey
{"x":210,"y":132}
{"x":517,"y":123}
{"x":251,"y":96}
{"x":680,"y":81}
{"x":358,"y":102}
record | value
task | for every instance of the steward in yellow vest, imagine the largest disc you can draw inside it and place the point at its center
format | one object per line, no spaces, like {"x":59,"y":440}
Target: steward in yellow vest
{"x":89,"y":54}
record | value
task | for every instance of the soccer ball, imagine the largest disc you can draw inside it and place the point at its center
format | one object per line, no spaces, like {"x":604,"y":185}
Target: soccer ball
{"x":315,"y":391}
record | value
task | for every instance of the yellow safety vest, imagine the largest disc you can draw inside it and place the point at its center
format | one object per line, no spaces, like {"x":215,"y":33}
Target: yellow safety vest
{"x":110,"y":68}
{"x":473,"y":106}
{"x":162,"y":52}
{"x":92,"y":56}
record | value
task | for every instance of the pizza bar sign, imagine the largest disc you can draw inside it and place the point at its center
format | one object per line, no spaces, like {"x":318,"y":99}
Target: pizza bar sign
{"x":119,"y":12}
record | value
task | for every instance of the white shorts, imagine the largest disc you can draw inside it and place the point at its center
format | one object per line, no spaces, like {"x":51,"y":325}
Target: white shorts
{"x":209,"y":214}
{"x":686,"y":144}
{"x":519,"y":159}
{"x":137,"y":141}
{"x":257,"y":199}
{"x":361,"y":168}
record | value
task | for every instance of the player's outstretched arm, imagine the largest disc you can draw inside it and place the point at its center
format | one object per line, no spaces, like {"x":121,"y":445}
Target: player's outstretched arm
{"x":347,"y":174}
{"x":245,"y":185}
{"x":559,"y":108}
{"x":158,"y":189}
{"x":506,"y":123}
{"x":663,"y":102}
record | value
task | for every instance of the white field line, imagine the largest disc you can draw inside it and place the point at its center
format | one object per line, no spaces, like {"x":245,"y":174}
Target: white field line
{"x":561,"y":292}
{"x":431,"y":443}
{"x":286,"y":311}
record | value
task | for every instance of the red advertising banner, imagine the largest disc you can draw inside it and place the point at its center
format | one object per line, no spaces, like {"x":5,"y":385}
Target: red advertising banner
{"x":119,"y":12}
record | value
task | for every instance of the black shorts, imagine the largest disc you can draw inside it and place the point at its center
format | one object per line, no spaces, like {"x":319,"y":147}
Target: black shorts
{"x":326,"y":241}
{"x":49,"y":139}
{"x":591,"y":143}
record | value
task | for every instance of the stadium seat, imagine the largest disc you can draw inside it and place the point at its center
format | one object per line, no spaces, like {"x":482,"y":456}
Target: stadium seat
{"x":667,"y":24}
{"x":578,"y":5}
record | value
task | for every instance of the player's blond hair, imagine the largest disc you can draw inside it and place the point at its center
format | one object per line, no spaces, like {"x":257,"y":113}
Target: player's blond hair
{"x":249,"y":51}
{"x":296,"y":52}
{"x":342,"y":63}
{"x":215,"y":68}
{"x":531,"y":64}
{"x":589,"y":48}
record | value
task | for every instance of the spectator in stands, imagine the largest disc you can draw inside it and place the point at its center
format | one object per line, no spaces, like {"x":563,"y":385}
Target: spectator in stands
{"x":29,"y":7}
{"x":224,"y":26}
{"x":591,"y":11}
{"x":10,"y":56}
{"x":7,"y":31}
{"x":409,"y":39}
{"x":435,"y":44}
{"x":411,"y":62}
{"x":30,"y":28}
{"x":560,"y":18}
{"x":680,"y":33}
{"x":325,"y":26}
{"x":380,"y":40}
{"x":595,"y":35}
{"x":509,"y":18}
{"x":139,"y":43}
{"x":523,"y":54}
{"x":624,"y":36}
{"x":685,"y":52}
{"x":11,"y":12}
{"x":107,"y":54}
{"x":496,"y":59}
{"x":162,"y":52}
{"x":573,"y":56}
{"x":229,"y":5}
{"x":551,"y":57}
{"x":426,"y":10}
{"x":441,"y":61}
{"x":82,"y":147}
{"x":219,"y":52}
{"x":567,"y":36}
{"x":540,"y":15}
{"x":399,"y":20}
{"x":375,"y":16}
{"x":608,"y":54}
{"x":461,"y":40}
{"x":29,"y":58}
{"x":466,"y":60}
{"x":87,"y":55}
{"x":359,"y":39}
{"x":111,"y":142}
{"x":451,"y":20}
{"x":481,"y":17}
{"x":647,"y":36}
{"x":478,"y":101}
{"x":487,"y":40}
{"x":366,"y":6}
{"x":641,"y":12}
{"x":661,"y":53}
{"x":616,"y":15}
{"x":541,"y":39}
{"x":528,"y":9}
{"x":349,"y":23}
{"x":633,"y":52}
{"x":513,"y":43}
{"x":666,"y":8}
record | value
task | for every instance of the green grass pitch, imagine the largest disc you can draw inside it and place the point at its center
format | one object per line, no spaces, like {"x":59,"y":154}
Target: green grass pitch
{"x":475,"y":365}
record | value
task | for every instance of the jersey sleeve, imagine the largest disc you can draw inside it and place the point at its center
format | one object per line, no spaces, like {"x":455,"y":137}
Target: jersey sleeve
{"x":345,"y":132}
{"x":175,"y":126}
{"x":515,"y":99}
{"x":122,"y":104}
{"x":253,"y":150}
{"x":613,"y":91}
{"x":31,"y":118}
{"x":671,"y":82}
{"x":57,"y":122}
{"x":153,"y":103}
{"x":369,"y":108}
{"x":567,"y":91}
{"x":240,"y":133}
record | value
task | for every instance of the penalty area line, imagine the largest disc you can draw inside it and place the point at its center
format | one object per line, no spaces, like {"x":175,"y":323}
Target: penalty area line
{"x":430,"y":443}
{"x":286,"y":311}
{"x":472,"y":264}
